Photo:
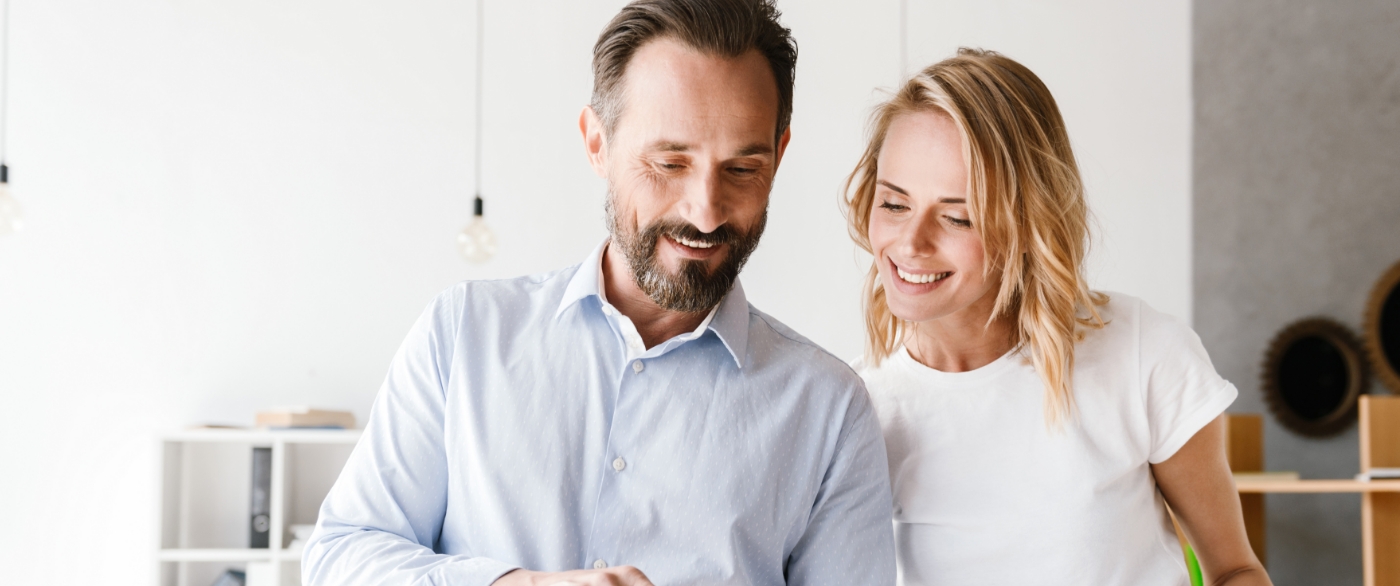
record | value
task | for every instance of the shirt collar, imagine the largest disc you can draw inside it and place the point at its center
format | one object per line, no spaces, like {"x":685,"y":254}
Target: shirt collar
{"x":729,"y":321}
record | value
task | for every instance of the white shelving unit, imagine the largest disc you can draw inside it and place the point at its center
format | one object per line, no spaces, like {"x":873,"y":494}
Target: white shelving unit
{"x":205,"y":489}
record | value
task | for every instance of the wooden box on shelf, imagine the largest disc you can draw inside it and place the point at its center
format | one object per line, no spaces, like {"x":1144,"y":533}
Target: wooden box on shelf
{"x":205,"y":492}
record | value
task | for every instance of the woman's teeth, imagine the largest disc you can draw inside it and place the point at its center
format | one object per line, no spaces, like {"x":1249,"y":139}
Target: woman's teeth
{"x":920,"y":279}
{"x":692,"y":243}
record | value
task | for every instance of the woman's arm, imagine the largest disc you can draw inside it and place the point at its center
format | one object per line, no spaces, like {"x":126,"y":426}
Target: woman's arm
{"x":1197,"y":484}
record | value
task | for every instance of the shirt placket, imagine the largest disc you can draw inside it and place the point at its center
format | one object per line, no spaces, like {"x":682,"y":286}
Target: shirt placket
{"x":601,"y":549}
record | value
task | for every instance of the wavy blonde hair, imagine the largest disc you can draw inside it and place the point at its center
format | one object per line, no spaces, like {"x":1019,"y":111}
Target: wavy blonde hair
{"x":1025,"y":200}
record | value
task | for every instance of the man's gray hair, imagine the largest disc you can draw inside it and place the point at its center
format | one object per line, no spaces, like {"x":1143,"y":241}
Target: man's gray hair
{"x":727,"y":28}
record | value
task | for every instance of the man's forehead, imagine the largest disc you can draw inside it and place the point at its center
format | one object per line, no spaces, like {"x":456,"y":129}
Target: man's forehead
{"x":670,"y":84}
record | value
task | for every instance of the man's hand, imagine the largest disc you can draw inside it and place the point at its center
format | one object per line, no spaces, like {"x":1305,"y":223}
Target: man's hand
{"x":619,"y":576}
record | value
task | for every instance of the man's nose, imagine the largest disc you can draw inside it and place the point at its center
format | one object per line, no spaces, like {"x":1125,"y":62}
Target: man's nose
{"x":703,"y":204}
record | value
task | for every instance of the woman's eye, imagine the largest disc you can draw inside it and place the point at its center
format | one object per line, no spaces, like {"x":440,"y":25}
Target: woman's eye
{"x":894,"y":207}
{"x":959,"y":222}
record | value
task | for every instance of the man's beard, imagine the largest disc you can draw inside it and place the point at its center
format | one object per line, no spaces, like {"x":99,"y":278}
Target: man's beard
{"x":692,"y":289}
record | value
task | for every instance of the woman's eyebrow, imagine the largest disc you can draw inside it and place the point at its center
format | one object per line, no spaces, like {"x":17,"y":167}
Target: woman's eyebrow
{"x":896,"y":188}
{"x":901,"y":191}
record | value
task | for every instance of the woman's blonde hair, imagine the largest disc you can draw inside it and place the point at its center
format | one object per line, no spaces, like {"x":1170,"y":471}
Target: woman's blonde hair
{"x":1025,"y":200}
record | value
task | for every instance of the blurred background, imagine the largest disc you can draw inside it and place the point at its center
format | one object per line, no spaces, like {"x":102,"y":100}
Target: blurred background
{"x":235,"y":205}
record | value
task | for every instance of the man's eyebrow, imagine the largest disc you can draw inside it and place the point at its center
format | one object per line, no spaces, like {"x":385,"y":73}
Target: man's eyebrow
{"x":669,"y":146}
{"x":757,"y":148}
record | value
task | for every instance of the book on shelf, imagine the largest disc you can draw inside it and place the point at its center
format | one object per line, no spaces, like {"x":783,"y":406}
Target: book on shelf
{"x":232,"y":577}
{"x":1379,"y":474}
{"x":305,"y":417}
{"x":1268,"y":476}
{"x":260,"y":505}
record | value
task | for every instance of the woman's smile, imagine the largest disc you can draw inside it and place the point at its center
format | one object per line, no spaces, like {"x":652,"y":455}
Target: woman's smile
{"x":914,"y":281}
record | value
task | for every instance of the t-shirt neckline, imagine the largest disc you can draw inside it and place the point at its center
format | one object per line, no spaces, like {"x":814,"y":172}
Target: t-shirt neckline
{"x":1006,"y":363}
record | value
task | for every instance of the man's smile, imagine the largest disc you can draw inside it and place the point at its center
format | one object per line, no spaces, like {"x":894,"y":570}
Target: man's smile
{"x":692,"y":249}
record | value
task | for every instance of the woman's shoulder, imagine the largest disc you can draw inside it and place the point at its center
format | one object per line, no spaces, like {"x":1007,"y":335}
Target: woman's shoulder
{"x":873,"y":370}
{"x":890,"y":377}
{"x":1136,"y":332}
{"x":1129,"y":318}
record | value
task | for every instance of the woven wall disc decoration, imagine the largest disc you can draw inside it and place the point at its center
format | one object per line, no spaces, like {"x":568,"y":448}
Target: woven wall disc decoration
{"x":1382,"y":328}
{"x":1314,"y":372}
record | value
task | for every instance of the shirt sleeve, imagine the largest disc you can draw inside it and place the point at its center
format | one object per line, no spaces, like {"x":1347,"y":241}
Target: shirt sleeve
{"x":1183,"y":390}
{"x":849,"y":538}
{"x":382,"y":518}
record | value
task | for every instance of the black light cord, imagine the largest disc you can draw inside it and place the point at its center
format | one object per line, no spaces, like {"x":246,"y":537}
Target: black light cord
{"x":903,"y":38}
{"x":480,"y":46}
{"x":5,"y":93}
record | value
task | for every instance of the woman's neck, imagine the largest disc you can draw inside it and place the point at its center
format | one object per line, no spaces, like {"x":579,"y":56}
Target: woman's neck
{"x":960,"y":342}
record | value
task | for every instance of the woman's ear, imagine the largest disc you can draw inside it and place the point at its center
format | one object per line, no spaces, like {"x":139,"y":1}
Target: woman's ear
{"x":595,"y":141}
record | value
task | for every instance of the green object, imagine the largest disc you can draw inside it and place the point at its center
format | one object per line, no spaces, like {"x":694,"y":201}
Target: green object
{"x":1193,"y":568}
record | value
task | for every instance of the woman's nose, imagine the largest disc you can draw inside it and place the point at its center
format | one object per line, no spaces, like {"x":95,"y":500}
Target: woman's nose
{"x":919,"y":238}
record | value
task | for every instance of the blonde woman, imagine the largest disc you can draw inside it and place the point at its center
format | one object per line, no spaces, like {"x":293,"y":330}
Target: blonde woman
{"x":1036,"y":430}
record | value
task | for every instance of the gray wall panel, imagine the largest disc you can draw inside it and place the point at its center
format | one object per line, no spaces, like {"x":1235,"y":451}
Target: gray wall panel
{"x":1296,"y":213}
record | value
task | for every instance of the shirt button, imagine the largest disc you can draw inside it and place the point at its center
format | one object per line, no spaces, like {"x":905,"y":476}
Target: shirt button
{"x":637,"y":366}
{"x":619,"y":464}
{"x":599,"y":564}
{"x":607,"y":310}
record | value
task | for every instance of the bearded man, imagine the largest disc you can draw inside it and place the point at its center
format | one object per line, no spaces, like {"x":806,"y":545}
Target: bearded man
{"x":630,"y":420}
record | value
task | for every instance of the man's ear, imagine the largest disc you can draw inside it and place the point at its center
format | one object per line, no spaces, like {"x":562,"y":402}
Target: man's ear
{"x":595,"y":142}
{"x":782,"y":146}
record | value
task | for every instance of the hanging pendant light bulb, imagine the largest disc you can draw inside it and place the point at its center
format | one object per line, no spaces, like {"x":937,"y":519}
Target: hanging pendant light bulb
{"x":477,"y":243}
{"x":11,"y":216}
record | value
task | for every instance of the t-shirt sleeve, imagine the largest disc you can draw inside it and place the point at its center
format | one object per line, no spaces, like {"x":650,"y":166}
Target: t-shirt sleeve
{"x":1183,"y":391}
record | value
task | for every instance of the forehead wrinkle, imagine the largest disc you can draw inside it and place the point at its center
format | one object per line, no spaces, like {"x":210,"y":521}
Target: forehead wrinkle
{"x":669,"y":146}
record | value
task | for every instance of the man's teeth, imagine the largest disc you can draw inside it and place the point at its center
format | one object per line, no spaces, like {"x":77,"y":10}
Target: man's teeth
{"x":918,"y":279}
{"x":692,"y":243}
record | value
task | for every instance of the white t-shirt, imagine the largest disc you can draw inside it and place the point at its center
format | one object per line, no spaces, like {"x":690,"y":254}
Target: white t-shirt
{"x":985,"y":493}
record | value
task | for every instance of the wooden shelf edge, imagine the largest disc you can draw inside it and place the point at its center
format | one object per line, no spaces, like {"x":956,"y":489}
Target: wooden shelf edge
{"x":266,"y":436}
{"x":215,"y":555}
{"x":228,"y":555}
{"x":1316,"y":486}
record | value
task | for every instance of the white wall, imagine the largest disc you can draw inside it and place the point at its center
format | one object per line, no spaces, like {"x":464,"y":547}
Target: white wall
{"x":234,"y":205}
{"x":1121,"y":73}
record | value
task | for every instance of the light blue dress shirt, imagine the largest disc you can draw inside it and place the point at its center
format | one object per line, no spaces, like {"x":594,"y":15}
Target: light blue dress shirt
{"x":518,"y":427}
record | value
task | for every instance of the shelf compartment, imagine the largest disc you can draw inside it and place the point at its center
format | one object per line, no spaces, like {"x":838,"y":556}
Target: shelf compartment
{"x":205,"y":491}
